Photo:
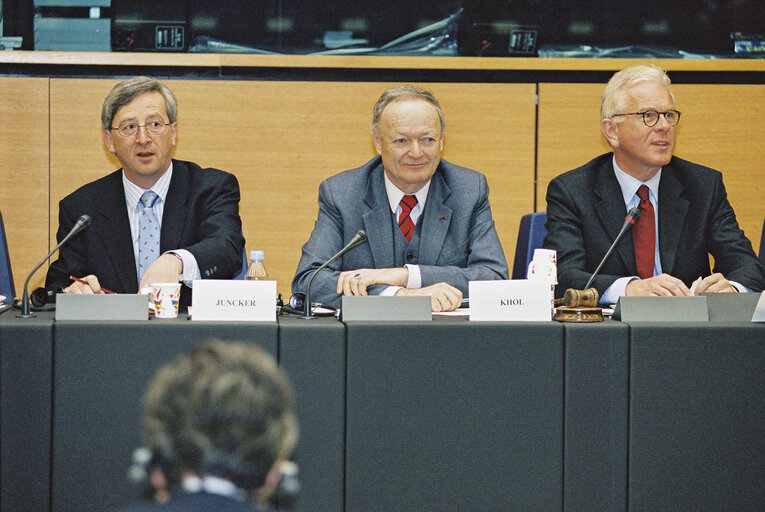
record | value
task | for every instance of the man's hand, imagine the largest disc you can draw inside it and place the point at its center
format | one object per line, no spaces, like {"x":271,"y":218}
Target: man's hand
{"x":663,"y":285}
{"x":716,"y":283}
{"x":443,"y":296}
{"x":355,"y":282}
{"x":90,"y":287}
{"x":165,"y":269}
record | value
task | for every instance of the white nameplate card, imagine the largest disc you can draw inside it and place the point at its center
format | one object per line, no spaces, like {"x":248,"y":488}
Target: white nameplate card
{"x":518,"y":300}
{"x":759,"y":310}
{"x":233,"y":299}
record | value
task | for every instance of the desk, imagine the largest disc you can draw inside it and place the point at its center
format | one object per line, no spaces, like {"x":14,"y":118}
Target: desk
{"x":25,"y":411}
{"x":101,"y":370}
{"x":697,"y":417}
{"x":452,"y":415}
{"x":469,"y":416}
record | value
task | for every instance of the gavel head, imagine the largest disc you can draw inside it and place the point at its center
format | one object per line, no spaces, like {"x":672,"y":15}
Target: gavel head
{"x":588,"y":297}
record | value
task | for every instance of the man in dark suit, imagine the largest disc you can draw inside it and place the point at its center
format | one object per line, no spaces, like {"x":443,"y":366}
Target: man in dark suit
{"x":428,"y":221}
{"x":193,"y":211}
{"x":684,"y":211}
{"x":219,"y":423}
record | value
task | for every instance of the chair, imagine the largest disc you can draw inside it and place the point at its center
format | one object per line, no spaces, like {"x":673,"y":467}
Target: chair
{"x":762,"y":245}
{"x":531,"y":235}
{"x":6,"y":275}
{"x":243,"y":271}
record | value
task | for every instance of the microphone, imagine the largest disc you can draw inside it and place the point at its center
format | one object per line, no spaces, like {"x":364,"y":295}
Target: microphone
{"x":359,"y":238}
{"x":629,"y":221}
{"x":82,"y":223}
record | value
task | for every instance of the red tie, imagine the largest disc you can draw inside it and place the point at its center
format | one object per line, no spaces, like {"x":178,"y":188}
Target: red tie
{"x":405,"y":223}
{"x":644,"y":236}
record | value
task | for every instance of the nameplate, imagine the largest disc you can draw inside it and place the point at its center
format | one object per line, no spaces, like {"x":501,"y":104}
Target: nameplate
{"x":661,"y":309}
{"x":759,"y":310}
{"x":518,"y":300}
{"x":233,"y":300}
{"x":731,"y":307}
{"x":117,"y":306}
{"x":375,"y":308}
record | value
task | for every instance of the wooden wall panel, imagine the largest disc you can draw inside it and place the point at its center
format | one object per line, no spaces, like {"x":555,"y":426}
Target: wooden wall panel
{"x":282,"y":138}
{"x":721,"y":127}
{"x":24,"y":174}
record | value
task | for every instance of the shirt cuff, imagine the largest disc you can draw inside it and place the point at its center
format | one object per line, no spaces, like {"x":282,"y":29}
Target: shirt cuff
{"x":390,"y":291}
{"x":415,"y":278}
{"x":190,"y":266}
{"x":617,"y":289}
{"x":740,"y":287}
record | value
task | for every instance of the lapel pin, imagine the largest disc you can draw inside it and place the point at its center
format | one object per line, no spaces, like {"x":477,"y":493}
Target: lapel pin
{"x":441,"y":217}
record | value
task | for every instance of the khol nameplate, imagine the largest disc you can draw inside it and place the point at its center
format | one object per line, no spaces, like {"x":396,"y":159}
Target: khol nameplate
{"x":518,"y":300}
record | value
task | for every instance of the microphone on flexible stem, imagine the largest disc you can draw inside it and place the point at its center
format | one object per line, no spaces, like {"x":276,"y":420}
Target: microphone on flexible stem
{"x":582,"y":305}
{"x":629,"y":221}
{"x":359,"y":238}
{"x":82,"y":223}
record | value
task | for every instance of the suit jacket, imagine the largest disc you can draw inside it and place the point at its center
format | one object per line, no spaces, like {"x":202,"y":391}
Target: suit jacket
{"x":458,"y":241}
{"x":197,"y":502}
{"x":201,"y":215}
{"x":585,"y":211}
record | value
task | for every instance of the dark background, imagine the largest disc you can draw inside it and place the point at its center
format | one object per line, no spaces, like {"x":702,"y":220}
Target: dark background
{"x":297,"y":26}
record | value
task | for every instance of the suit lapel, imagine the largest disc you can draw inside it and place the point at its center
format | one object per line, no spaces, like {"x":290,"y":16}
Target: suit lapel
{"x":377,"y":220}
{"x":610,"y":210}
{"x":435,"y":220}
{"x":673,"y":211}
{"x":174,"y":213}
{"x":113,"y":226}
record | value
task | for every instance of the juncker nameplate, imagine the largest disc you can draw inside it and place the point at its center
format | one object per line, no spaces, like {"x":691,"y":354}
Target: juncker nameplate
{"x":233,"y":300}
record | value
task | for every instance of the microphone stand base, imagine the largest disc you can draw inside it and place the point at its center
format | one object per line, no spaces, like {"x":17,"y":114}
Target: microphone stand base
{"x":578,"y":314}
{"x":25,"y":315}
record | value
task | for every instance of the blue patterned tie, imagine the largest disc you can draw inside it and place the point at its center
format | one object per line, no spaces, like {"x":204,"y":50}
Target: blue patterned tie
{"x":148,"y":233}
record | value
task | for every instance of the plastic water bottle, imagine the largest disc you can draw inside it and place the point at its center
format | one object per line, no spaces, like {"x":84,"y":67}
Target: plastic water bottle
{"x":257,"y":270}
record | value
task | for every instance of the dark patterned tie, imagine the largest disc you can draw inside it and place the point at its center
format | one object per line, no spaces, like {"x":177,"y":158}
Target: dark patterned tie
{"x":405,"y":223}
{"x":148,"y":233}
{"x":644,"y":236}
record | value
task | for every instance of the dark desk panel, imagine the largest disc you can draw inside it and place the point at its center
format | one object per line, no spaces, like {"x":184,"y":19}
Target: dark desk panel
{"x":595,"y":443}
{"x":452,"y":415}
{"x":101,"y":371}
{"x":697,"y":417}
{"x":312,"y":352}
{"x":25,"y":398}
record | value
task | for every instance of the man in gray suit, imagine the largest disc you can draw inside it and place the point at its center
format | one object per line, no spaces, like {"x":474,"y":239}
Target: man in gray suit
{"x":428,"y":222}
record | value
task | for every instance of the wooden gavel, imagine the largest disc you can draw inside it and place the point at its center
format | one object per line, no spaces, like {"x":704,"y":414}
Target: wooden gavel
{"x":574,"y":298}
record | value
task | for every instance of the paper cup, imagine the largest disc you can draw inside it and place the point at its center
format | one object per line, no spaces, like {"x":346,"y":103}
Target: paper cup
{"x":546,"y":255}
{"x":163,"y":299}
{"x":543,"y":270}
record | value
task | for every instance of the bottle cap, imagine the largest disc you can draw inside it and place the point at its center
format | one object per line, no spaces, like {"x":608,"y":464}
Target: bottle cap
{"x":256,"y":255}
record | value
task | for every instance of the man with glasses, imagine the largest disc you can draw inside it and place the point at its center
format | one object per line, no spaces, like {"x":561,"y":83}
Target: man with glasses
{"x":156,"y":219}
{"x":428,"y":221}
{"x":685,"y":215}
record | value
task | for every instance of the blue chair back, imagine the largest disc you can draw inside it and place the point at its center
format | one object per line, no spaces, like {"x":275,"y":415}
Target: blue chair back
{"x":243,"y":271}
{"x":531,"y":235}
{"x":6,"y":275}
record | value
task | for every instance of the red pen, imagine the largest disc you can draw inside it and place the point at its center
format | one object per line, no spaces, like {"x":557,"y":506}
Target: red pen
{"x":85,"y":282}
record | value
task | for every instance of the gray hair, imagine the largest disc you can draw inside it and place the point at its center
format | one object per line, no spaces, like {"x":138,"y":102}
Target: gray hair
{"x":612,"y":98}
{"x":402,"y":92}
{"x":127,"y":90}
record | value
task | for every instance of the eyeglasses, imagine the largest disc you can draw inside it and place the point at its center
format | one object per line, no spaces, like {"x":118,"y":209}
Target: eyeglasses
{"x":651,"y":117}
{"x":155,"y":126}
